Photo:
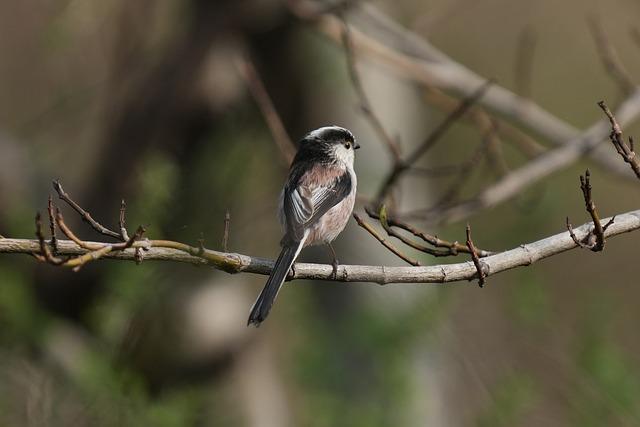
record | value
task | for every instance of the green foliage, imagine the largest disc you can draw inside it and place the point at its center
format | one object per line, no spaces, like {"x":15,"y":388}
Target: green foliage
{"x":529,"y":301}
{"x":21,"y":320}
{"x":510,"y":397}
{"x":608,"y":386}
{"x":354,"y":370}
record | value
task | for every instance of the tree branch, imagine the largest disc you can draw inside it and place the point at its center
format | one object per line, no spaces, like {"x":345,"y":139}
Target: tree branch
{"x":542,"y":166}
{"x":415,"y":58}
{"x":163,"y":250}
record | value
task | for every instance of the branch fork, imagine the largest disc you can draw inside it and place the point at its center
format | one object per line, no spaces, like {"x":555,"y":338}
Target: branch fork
{"x":594,"y":240}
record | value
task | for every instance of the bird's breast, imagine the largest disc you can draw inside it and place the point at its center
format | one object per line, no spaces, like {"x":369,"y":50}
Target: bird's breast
{"x":331,"y":224}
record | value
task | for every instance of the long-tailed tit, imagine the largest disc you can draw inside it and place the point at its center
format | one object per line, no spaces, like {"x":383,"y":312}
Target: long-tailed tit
{"x":315,"y":204}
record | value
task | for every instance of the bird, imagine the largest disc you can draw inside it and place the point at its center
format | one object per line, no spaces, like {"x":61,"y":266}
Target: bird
{"x":315,"y":204}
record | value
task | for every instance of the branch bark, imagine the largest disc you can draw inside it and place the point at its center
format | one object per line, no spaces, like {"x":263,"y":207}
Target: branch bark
{"x":163,"y":250}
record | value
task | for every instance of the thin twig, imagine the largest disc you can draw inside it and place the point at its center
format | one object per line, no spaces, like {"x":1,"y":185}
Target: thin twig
{"x":626,"y":151}
{"x":610,"y":58}
{"x":518,"y":179}
{"x":483,"y":121}
{"x":475,"y":258}
{"x":52,"y":225}
{"x":71,"y":235}
{"x":422,"y":248}
{"x":452,"y":248}
{"x":225,"y":236}
{"x":411,"y":56}
{"x":463,"y":175}
{"x":122,"y":222}
{"x":429,"y":141}
{"x":595,"y":240}
{"x":365,"y":103}
{"x":384,"y":241}
{"x":84,"y":214}
{"x":45,"y":251}
{"x":261,"y":96}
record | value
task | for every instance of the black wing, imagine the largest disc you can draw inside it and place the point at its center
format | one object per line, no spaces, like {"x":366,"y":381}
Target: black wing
{"x":305,"y":204}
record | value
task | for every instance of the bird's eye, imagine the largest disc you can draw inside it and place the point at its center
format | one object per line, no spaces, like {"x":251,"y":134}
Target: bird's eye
{"x":347,"y":145}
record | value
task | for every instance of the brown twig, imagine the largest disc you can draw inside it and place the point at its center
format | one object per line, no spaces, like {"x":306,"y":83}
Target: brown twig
{"x":45,"y":252}
{"x":52,"y":225}
{"x":610,"y":59}
{"x":136,"y":236}
{"x":422,"y":248}
{"x":225,"y":236}
{"x":595,"y":240}
{"x":448,"y":248}
{"x":626,"y":151}
{"x":362,"y":223}
{"x":84,"y":214}
{"x":402,"y":166}
{"x":365,"y":104}
{"x":483,"y":121}
{"x":412,"y":57}
{"x":463,"y":175}
{"x":474,"y":257}
{"x":535,"y":170}
{"x":261,"y":96}
{"x":122,"y":222}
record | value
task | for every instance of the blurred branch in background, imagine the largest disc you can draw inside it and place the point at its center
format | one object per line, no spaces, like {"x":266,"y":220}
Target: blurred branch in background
{"x":540,"y":167}
{"x":415,"y":58}
{"x":280,"y":136}
{"x":610,"y":58}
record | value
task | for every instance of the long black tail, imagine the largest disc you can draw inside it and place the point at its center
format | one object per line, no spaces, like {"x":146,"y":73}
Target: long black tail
{"x":265,"y":300}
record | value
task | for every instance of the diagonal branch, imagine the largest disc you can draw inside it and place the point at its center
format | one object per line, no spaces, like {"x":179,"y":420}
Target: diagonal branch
{"x":402,"y":166}
{"x":362,"y":223}
{"x":261,"y":96}
{"x":626,"y":151}
{"x":415,"y":58}
{"x":442,"y":247}
{"x":610,"y":58}
{"x":84,"y":214}
{"x":365,"y":104}
{"x":544,"y":165}
{"x":475,"y":258}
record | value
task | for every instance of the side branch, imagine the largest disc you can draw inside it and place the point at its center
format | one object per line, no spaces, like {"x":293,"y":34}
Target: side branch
{"x":523,"y":255}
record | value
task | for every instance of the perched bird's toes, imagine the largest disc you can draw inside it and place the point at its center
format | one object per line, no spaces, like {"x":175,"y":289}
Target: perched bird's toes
{"x":334,"y":274}
{"x":292,"y":271}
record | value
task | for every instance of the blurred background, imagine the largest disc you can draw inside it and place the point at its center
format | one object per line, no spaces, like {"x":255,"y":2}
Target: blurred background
{"x":145,"y":101}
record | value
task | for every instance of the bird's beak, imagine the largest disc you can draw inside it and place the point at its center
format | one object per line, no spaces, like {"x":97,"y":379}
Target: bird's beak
{"x":356,"y":146}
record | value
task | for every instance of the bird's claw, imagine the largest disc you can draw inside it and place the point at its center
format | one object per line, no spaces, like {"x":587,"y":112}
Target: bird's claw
{"x":334,"y":274}
{"x":292,"y":271}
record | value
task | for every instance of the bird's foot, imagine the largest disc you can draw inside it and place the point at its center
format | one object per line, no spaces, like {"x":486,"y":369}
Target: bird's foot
{"x":334,"y":274}
{"x":292,"y":271}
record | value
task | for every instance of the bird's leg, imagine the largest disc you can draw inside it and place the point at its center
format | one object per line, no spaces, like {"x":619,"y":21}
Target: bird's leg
{"x":334,"y":262}
{"x":292,"y":270}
